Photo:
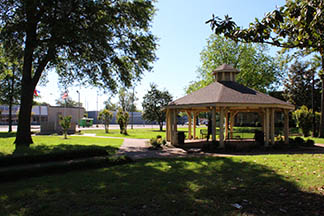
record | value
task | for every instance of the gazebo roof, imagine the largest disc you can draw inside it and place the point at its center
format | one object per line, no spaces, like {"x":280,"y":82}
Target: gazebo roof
{"x":226,"y":93}
{"x":225,"y":68}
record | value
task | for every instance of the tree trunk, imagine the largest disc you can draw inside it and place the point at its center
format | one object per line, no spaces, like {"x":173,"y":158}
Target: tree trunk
{"x":23,"y":137}
{"x":161,"y":126}
{"x":321,"y":129}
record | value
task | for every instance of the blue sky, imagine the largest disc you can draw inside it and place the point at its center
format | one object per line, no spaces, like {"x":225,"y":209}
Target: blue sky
{"x":182,"y":32}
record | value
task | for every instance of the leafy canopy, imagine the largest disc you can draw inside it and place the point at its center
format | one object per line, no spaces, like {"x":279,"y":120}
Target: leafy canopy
{"x":99,"y":42}
{"x":298,"y":85}
{"x":257,"y":69}
{"x":153,"y":102}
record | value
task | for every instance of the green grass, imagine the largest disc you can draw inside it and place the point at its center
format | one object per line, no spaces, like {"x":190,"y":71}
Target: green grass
{"x":142,"y":133}
{"x":48,"y":144}
{"x":145,"y":133}
{"x":263,"y":185}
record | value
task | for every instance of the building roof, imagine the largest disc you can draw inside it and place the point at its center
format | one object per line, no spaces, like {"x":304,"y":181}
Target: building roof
{"x":225,"y":68}
{"x":228,"y":92}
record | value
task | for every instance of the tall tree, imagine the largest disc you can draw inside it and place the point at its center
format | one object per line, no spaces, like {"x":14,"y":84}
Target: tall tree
{"x":126,"y":100}
{"x":298,"y":86}
{"x":297,"y":24}
{"x":10,"y":83}
{"x":258,"y":70}
{"x":153,"y":102}
{"x":102,"y":42}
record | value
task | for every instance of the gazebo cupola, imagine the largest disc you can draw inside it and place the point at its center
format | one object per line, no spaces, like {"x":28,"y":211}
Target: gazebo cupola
{"x":225,"y":72}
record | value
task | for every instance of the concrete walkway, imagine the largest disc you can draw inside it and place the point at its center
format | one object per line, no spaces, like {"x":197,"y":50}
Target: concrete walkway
{"x":139,"y":149}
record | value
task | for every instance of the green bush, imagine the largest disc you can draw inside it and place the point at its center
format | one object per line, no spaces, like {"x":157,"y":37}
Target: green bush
{"x":303,"y":118}
{"x":310,"y":143}
{"x":299,"y":141}
{"x":157,"y":142}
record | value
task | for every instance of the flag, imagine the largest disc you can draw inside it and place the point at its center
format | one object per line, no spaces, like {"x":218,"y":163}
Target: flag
{"x":65,"y":95}
{"x":36,"y":92}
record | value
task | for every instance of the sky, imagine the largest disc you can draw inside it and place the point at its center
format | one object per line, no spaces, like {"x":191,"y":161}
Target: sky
{"x":182,"y":32}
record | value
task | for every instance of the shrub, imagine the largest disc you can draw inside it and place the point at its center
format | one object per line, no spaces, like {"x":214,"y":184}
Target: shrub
{"x":299,"y":141}
{"x":303,"y":117}
{"x":65,"y":123}
{"x":259,"y":137}
{"x":157,"y":142}
{"x":310,"y":143}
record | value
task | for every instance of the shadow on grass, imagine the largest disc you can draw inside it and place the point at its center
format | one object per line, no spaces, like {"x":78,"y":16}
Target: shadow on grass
{"x":43,"y":149}
{"x":7,"y":135}
{"x":187,"y":186}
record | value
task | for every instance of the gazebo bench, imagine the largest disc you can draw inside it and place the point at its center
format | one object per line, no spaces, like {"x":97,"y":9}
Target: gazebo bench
{"x":203,"y":133}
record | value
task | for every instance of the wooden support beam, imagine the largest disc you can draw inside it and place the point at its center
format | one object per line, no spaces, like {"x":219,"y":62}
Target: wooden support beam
{"x":194,"y":124}
{"x":226,"y":124}
{"x":232,"y":120}
{"x":286,"y":127}
{"x":175,"y":129}
{"x":189,"y":125}
{"x":272,"y":132}
{"x":221,"y":128}
{"x":214,"y":124}
{"x":168,"y":125}
{"x":267,"y":127}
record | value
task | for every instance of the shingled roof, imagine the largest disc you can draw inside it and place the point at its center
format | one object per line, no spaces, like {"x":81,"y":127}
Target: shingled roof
{"x":228,"y":92}
{"x":225,"y":68}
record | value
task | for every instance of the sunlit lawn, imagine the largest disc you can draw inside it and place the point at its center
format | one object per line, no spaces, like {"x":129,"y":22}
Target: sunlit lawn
{"x":146,"y":133}
{"x":262,"y":185}
{"x":48,"y":144}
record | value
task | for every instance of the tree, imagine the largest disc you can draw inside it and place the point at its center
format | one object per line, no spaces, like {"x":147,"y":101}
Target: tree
{"x":126,"y":100}
{"x":105,"y":115}
{"x":10,"y":84}
{"x":298,"y":86}
{"x":110,"y":105}
{"x":65,"y":123}
{"x":153,"y":102}
{"x":297,"y":24}
{"x":257,"y":69}
{"x":102,"y":43}
{"x":67,"y":102}
{"x":122,"y":118}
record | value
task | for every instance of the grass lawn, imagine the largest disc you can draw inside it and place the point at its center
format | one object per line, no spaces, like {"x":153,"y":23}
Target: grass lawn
{"x":145,"y":133}
{"x":141,"y":133}
{"x":262,"y":185}
{"x":48,"y":144}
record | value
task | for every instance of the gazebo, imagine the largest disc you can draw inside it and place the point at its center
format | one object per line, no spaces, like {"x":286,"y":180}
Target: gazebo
{"x":228,"y":98}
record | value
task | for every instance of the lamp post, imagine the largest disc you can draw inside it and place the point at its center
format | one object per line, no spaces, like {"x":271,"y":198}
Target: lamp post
{"x":79,"y":108}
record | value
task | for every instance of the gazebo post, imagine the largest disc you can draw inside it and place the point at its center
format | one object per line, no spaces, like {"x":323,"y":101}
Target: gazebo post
{"x":214,"y":124}
{"x":272,"y":133}
{"x":173,"y":126}
{"x":286,"y":127}
{"x":231,"y":124}
{"x":226,"y":124}
{"x":168,"y":125}
{"x":267,"y":127}
{"x":221,"y":128}
{"x":189,"y":125}
{"x":194,"y":124}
